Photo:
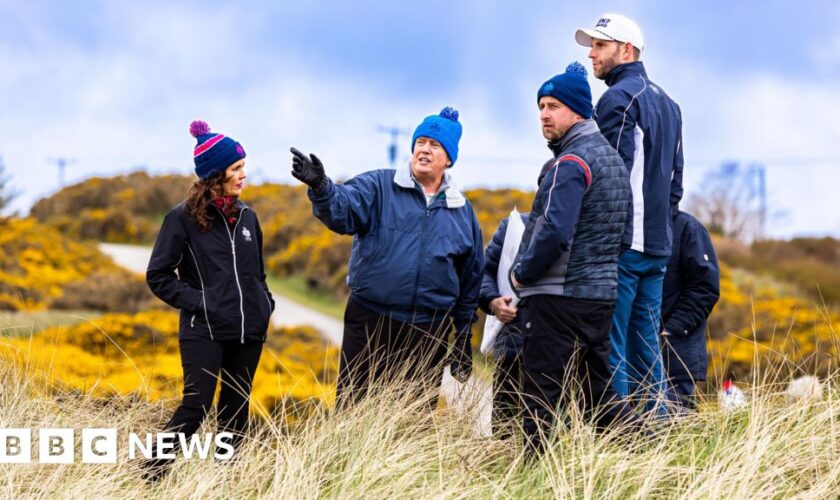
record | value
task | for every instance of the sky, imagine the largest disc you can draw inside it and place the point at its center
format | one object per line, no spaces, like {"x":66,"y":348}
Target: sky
{"x":114,"y":85}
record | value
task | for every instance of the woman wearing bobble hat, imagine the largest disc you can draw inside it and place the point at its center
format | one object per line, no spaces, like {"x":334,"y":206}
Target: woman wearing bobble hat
{"x":214,"y":242}
{"x":415,"y":267}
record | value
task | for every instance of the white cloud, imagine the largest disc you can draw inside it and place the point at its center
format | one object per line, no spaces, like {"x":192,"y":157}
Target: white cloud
{"x":129,"y":102}
{"x":788,"y":125}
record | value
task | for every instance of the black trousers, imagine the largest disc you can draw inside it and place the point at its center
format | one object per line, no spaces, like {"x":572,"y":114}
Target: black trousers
{"x":507,"y":396}
{"x":377,"y":351}
{"x":203,"y":360}
{"x":681,"y":394}
{"x":566,"y":353}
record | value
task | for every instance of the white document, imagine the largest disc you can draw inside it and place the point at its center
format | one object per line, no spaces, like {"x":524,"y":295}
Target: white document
{"x":513,"y":237}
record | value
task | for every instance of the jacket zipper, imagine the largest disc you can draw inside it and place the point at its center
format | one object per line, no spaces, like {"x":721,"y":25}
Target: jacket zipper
{"x":235,"y":271}
{"x":269,"y":302}
{"x":420,"y":256}
{"x":203,"y":300}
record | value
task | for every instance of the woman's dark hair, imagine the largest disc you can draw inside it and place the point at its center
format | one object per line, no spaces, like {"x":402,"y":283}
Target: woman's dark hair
{"x":200,"y":196}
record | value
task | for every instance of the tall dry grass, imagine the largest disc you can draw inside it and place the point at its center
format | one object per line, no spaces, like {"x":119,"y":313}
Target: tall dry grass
{"x":390,"y":446}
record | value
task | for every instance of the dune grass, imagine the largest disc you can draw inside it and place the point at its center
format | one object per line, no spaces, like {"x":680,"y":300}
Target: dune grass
{"x":391,"y":446}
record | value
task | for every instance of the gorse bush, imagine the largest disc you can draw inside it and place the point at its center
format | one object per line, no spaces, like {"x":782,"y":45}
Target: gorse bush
{"x":113,"y":291}
{"x":118,"y":355}
{"x":811,"y":264}
{"x":752,"y":317}
{"x":122,"y":209}
{"x":37,"y":262}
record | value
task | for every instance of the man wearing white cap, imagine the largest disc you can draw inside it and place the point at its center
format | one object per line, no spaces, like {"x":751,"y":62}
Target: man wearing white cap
{"x":645,"y":126}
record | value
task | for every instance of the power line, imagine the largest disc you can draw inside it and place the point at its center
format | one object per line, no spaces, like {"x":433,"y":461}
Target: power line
{"x":689,"y":163}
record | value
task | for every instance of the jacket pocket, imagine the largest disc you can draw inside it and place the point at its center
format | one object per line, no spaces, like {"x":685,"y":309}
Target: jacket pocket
{"x":257,"y":307}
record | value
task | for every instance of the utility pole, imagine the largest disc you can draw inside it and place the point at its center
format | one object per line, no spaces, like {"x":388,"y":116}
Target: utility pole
{"x":61,"y":162}
{"x":760,"y":174}
{"x":395,"y":133}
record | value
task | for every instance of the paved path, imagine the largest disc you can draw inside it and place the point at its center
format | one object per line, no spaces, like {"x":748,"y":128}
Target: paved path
{"x":475,"y":396}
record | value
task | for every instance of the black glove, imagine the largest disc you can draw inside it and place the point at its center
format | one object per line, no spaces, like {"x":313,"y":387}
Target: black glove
{"x":461,"y":357}
{"x":309,"y":170}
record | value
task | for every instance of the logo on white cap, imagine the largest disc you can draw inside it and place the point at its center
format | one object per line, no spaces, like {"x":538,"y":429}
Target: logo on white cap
{"x":612,"y":27}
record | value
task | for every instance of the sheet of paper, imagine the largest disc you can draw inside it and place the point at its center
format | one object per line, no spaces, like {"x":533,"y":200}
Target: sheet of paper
{"x":513,"y":237}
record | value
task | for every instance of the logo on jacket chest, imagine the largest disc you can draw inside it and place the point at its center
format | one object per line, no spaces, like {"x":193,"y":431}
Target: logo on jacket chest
{"x":246,"y":234}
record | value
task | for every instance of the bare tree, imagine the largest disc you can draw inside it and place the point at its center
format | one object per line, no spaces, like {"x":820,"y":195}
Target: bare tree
{"x":7,"y":194}
{"x":732,"y":202}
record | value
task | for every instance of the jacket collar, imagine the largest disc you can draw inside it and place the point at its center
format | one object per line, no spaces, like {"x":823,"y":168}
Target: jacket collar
{"x":239,"y":204}
{"x":404,"y":179}
{"x":578,"y":130}
{"x":623,"y":71}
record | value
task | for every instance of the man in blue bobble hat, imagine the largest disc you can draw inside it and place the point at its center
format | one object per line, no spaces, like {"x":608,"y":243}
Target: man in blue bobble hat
{"x":415,"y":268}
{"x":567,"y":266}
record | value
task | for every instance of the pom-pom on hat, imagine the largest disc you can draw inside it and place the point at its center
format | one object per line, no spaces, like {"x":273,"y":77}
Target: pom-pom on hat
{"x":571,"y":88}
{"x":444,"y":128}
{"x":213,"y":152}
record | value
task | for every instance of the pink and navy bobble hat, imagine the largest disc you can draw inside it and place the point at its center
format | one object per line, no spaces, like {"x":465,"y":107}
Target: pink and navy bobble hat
{"x":214,"y":152}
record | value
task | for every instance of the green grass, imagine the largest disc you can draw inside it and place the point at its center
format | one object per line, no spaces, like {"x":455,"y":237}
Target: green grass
{"x":296,"y":289}
{"x":13,"y":323}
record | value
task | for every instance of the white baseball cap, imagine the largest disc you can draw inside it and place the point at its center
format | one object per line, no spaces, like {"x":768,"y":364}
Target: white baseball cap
{"x":613,"y":27}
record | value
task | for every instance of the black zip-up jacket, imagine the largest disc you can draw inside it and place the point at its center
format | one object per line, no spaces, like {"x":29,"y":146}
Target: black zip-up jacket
{"x":689,"y":293}
{"x":220,"y":282}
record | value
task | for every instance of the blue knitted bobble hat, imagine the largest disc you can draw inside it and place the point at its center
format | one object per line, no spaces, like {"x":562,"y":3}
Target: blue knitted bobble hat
{"x":571,"y":88}
{"x":444,"y":128}
{"x":213,"y":152}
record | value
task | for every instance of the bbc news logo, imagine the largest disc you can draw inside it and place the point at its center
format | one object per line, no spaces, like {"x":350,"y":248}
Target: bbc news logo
{"x":100,"y":446}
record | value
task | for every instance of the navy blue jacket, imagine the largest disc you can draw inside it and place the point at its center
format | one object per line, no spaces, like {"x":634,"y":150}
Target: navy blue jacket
{"x":410,"y":261}
{"x":645,"y":126}
{"x":572,"y":239}
{"x":689,"y":293}
{"x":510,"y":340}
{"x":220,"y":285}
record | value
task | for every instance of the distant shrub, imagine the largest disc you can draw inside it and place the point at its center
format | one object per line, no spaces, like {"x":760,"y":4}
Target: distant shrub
{"x":122,"y":209}
{"x":112,"y":291}
{"x":789,"y":333}
{"x":811,"y":264}
{"x":37,"y":262}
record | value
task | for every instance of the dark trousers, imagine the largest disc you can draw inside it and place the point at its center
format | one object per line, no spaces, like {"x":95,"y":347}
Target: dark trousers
{"x":681,"y":393}
{"x":377,"y":351}
{"x":203,"y":360}
{"x":567,"y":349}
{"x":507,"y":396}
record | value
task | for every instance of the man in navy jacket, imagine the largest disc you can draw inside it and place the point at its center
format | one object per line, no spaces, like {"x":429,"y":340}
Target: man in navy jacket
{"x":645,"y":126}
{"x":690,"y":292}
{"x":415,"y":266}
